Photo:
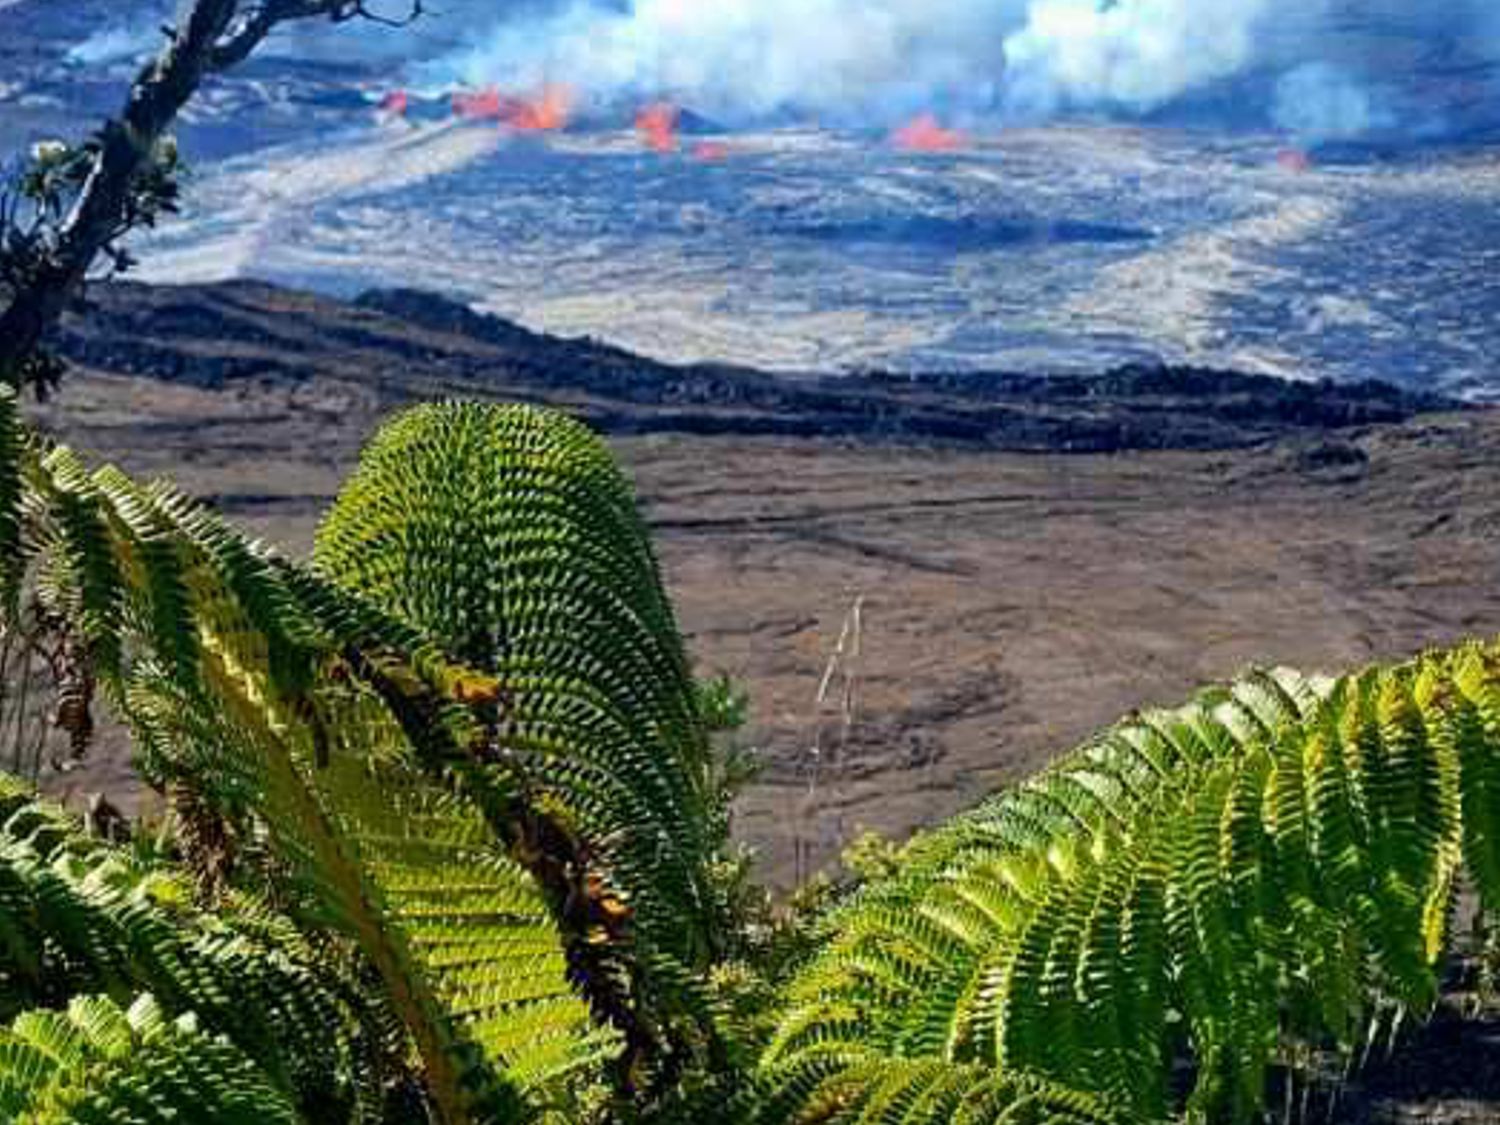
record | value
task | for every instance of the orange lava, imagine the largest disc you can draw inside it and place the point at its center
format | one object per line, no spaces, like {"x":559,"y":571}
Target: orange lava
{"x":926,"y":134}
{"x":657,"y":125}
{"x":479,"y":105}
{"x":1294,"y":160}
{"x":711,"y":152}
{"x":548,"y":111}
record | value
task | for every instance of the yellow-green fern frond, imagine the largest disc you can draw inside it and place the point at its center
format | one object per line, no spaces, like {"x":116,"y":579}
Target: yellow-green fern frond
{"x":1266,"y":871}
{"x":234,"y":675}
{"x":508,"y":535}
{"x":410,"y":871}
{"x":97,"y":1062}
{"x":79,"y":916}
{"x":511,"y":841}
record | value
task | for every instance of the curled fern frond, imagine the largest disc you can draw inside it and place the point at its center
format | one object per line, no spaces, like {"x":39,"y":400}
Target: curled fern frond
{"x":507,"y":536}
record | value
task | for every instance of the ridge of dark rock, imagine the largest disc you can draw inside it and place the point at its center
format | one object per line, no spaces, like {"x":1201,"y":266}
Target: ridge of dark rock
{"x":401,"y":344}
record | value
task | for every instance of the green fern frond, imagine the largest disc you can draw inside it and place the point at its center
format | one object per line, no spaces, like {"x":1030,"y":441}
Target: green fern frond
{"x":844,"y":1086}
{"x":12,"y":442}
{"x":78,"y":916}
{"x":361,"y":837}
{"x":1270,"y":866}
{"x":508,"y":535}
{"x":232,"y":681}
{"x":369,"y":756}
{"x":92,"y":587}
{"x":97,"y":1062}
{"x":163,"y":603}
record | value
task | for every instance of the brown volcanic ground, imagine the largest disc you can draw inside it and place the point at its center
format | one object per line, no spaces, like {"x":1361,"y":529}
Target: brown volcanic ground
{"x":1011,"y":602}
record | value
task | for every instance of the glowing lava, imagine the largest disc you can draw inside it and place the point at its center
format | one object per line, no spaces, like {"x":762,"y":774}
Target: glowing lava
{"x":548,"y":111}
{"x":1294,"y":160}
{"x":926,"y":134}
{"x":711,"y":152}
{"x":479,"y":105}
{"x":657,"y":126}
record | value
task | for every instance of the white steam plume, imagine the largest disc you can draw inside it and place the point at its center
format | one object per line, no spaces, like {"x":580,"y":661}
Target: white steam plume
{"x":1319,"y":69}
{"x":873,"y":60}
{"x":858,"y":57}
{"x":1135,"y":54}
{"x":750,"y":57}
{"x":1321,"y":102}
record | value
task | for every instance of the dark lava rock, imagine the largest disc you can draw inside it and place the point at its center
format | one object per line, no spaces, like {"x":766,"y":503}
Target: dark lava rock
{"x":1331,"y":455}
{"x":405,"y":344}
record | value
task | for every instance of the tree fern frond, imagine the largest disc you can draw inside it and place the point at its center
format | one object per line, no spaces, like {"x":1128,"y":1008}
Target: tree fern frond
{"x":97,"y":1062}
{"x":85,"y":551}
{"x":264,"y":715}
{"x":257,"y":706}
{"x":507,"y":535}
{"x":855,"y":1088}
{"x":151,"y":549}
{"x":12,"y":441}
{"x":319,"y":817}
{"x":1272,"y":865}
{"x":76,"y":915}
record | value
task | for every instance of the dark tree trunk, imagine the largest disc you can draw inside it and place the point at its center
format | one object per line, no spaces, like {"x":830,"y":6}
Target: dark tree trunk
{"x":127,"y":143}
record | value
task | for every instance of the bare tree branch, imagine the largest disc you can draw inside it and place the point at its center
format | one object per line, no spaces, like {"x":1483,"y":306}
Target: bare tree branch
{"x":261,"y":19}
{"x":215,"y":36}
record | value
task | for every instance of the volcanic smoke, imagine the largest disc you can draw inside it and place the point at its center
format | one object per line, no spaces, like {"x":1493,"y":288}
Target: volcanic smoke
{"x":863,"y":62}
{"x":884,"y":61}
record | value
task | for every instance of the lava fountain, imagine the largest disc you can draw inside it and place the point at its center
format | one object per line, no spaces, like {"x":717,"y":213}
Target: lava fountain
{"x":657,"y":125}
{"x":926,"y":134}
{"x":711,"y":152}
{"x":1294,"y":160}
{"x":547,"y":111}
